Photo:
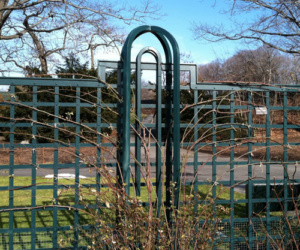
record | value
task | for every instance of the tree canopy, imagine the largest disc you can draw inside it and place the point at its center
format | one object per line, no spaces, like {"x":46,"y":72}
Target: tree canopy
{"x":264,"y":65}
{"x":73,"y":68}
{"x":275,"y":23}
{"x":40,"y":33}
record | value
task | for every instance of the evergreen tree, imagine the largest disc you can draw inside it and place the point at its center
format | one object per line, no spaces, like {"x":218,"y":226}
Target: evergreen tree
{"x":73,"y":68}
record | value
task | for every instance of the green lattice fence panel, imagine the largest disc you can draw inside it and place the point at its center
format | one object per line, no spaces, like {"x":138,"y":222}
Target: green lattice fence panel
{"x":50,"y":127}
{"x":251,"y":134}
{"x":231,"y":143}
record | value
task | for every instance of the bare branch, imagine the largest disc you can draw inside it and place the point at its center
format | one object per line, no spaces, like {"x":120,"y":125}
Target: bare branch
{"x":277,"y":24}
{"x":48,"y":27}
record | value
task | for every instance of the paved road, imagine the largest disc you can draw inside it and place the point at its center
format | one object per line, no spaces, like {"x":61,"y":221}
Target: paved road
{"x":204,"y":171}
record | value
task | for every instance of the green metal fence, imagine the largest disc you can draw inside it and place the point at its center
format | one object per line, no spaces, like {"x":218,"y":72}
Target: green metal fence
{"x":242,"y":172}
{"x":238,"y":150}
{"x":226,"y":142}
{"x":248,"y":172}
{"x":42,"y":114}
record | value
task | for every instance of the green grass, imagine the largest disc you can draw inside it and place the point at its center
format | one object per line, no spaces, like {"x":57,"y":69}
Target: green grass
{"x":44,"y":197}
{"x":133,"y":117}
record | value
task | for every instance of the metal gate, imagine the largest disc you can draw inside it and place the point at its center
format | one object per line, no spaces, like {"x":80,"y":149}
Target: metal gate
{"x":235,"y":144}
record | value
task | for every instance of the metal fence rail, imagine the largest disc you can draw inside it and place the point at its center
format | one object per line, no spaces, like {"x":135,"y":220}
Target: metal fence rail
{"x":215,"y":117}
{"x":223,"y":118}
{"x":33,"y":121}
{"x":256,"y":171}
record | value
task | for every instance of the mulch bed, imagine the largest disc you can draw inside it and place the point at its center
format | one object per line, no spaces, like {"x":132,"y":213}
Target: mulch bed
{"x":67,"y":155}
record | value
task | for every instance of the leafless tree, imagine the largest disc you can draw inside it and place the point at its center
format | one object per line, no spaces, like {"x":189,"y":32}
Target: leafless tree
{"x":275,"y":23}
{"x":260,"y":65}
{"x":290,"y":70}
{"x":211,"y":72}
{"x":185,"y":75}
{"x":265,"y":65}
{"x":33,"y":32}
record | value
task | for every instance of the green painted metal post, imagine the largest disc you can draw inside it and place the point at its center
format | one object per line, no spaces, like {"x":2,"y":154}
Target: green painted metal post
{"x":232,"y":170}
{"x":138,"y":127}
{"x":158,"y":146}
{"x":11,"y":166}
{"x":196,"y":132}
{"x":214,"y":152}
{"x":124,"y":146}
{"x":34,"y":165}
{"x":159,"y":135}
{"x":15,"y":238}
{"x":250,"y":182}
{"x":55,"y":166}
{"x":268,"y":158}
{"x":77,"y":168}
{"x":285,"y":165}
{"x":169,"y":141}
{"x":98,"y":152}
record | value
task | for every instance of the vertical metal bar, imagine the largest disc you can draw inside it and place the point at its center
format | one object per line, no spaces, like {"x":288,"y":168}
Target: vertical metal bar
{"x":168,"y":126}
{"x":214,"y":151}
{"x":98,"y":148}
{"x":232,"y":105}
{"x":268,"y":158}
{"x":214,"y":146}
{"x":138,"y":101}
{"x":124,"y":124}
{"x":176,"y":121}
{"x":55,"y":165}
{"x":162,"y":35}
{"x":120,"y":128}
{"x":11,"y":167}
{"x":285,"y":165}
{"x":158,"y":132}
{"x":196,"y":154}
{"x":196,"y":147}
{"x":77,"y":169}
{"x":99,"y":130}
{"x":157,"y":56}
{"x":250,"y":184}
{"x":102,"y":75}
{"x":34,"y":165}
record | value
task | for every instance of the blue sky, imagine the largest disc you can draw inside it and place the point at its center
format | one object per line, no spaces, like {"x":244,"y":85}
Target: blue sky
{"x":178,"y":20}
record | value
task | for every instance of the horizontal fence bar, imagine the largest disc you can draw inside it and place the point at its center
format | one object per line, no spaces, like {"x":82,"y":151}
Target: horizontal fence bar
{"x":222,"y":105}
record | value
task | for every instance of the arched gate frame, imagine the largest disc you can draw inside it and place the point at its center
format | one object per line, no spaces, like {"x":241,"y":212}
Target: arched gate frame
{"x":172,"y":106}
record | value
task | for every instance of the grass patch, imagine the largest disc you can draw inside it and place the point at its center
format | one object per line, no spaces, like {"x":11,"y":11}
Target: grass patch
{"x":66,"y":196}
{"x":133,"y":118}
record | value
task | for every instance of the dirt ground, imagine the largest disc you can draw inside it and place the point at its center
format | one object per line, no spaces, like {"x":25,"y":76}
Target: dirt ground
{"x":23,"y":155}
{"x":259,"y":152}
{"x":67,"y":155}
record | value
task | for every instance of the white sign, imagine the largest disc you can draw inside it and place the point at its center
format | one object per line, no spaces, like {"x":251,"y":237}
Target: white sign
{"x":64,"y":176}
{"x":261,"y":110}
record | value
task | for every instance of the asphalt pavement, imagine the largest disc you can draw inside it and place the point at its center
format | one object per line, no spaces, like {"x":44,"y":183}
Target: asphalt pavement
{"x":204,"y":170}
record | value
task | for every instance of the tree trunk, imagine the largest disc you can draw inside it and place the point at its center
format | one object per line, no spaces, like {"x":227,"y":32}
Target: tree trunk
{"x":39,"y":47}
{"x":92,"y":57}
